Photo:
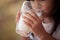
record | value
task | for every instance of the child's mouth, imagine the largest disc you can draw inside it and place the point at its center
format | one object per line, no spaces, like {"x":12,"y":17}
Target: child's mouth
{"x":38,"y":10}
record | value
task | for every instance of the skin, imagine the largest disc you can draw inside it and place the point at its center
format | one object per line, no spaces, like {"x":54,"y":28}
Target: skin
{"x":47,"y":5}
{"x":34,"y":22}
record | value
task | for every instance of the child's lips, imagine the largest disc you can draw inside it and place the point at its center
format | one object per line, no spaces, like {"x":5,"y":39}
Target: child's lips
{"x":39,"y":10}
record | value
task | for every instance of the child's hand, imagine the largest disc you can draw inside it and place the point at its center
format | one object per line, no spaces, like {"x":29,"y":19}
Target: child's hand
{"x":34,"y":23}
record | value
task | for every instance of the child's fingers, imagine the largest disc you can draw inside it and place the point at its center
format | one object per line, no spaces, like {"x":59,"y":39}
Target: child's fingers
{"x":18,"y":16}
{"x":29,"y":16}
{"x":28,"y":20}
{"x":34,"y":15}
{"x":28,"y":24}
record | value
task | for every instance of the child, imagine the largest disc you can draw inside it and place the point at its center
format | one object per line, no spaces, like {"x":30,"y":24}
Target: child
{"x":42,"y":24}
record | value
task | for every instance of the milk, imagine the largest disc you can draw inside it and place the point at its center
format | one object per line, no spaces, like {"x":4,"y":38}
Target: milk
{"x":21,"y":28}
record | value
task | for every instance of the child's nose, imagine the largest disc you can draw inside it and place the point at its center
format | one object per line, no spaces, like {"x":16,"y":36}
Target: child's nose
{"x":38,"y":5}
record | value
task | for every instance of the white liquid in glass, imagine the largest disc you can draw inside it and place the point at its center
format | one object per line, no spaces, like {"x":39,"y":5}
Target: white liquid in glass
{"x":24,"y":29}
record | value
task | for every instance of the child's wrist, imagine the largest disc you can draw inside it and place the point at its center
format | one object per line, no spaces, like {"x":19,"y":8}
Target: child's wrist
{"x":43,"y":35}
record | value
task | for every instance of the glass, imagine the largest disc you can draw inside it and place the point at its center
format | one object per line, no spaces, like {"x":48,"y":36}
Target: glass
{"x":21,"y":28}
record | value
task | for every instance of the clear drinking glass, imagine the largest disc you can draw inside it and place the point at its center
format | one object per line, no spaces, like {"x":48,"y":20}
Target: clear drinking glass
{"x":21,"y":28}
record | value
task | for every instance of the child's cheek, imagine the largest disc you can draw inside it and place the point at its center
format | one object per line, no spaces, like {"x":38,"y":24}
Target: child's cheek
{"x":47,"y":7}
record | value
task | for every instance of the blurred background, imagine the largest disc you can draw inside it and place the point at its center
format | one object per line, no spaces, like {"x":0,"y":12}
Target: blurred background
{"x":8,"y":11}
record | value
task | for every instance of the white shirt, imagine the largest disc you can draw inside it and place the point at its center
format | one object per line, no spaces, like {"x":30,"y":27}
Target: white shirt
{"x":55,"y":34}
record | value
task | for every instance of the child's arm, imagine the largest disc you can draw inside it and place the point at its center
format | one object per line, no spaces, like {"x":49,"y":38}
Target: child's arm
{"x":46,"y":36}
